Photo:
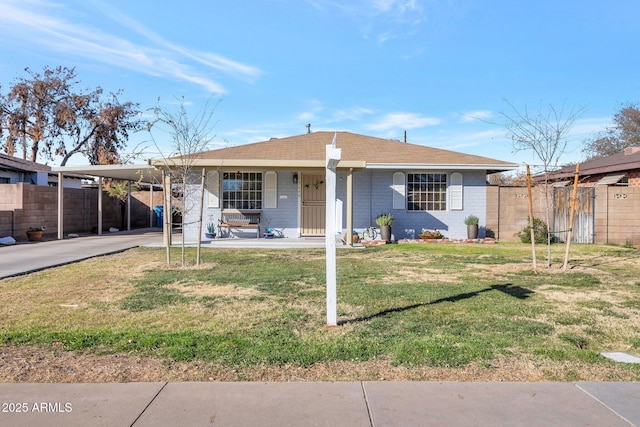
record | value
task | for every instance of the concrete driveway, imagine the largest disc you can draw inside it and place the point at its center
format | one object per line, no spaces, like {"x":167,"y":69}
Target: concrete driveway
{"x":33,"y":256}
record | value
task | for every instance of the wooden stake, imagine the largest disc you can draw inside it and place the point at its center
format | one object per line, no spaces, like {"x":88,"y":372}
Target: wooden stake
{"x":574,"y":198}
{"x":533,"y":239}
{"x":204,"y":174}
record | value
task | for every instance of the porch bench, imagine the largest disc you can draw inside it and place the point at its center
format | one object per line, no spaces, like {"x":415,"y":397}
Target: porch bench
{"x":241,"y":219}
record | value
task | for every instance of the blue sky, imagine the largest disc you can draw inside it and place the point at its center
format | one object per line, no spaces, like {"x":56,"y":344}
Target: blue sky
{"x":376,"y":67}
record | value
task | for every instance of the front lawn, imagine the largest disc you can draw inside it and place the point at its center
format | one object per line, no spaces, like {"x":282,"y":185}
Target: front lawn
{"x":422,"y":311}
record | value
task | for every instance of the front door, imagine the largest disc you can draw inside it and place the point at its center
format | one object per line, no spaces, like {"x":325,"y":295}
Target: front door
{"x":313,"y":204}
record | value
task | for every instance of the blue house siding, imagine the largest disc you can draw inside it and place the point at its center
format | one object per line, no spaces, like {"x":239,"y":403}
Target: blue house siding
{"x":284,"y":219}
{"x":372,"y":195}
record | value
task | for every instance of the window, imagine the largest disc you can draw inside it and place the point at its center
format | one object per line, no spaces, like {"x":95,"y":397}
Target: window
{"x":242,"y":190}
{"x":427,"y":192}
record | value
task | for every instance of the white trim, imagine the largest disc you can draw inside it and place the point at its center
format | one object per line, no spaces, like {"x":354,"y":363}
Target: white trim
{"x":434,"y":166}
{"x":399,"y":191}
{"x":455,"y":191}
{"x":213,"y":189}
{"x":270,"y":190}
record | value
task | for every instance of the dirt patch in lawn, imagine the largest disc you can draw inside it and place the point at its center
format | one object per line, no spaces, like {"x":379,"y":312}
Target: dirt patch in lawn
{"x":54,"y":365}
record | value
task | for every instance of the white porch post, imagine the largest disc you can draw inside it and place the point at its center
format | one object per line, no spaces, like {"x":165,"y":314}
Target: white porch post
{"x":333,"y":156}
{"x":99,"y":206}
{"x":350,"y":207}
{"x":128,"y":205}
{"x":166,"y":186}
{"x":60,"y":206}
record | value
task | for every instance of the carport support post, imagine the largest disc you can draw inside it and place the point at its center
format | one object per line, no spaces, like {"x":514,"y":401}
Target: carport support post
{"x":60,"y":206}
{"x":150,"y":204}
{"x":99,"y":206}
{"x":128,"y":205}
{"x":333,"y":156}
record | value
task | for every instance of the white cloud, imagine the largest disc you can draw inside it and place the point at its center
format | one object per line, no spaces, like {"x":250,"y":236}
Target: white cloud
{"x":472,"y":116}
{"x":45,"y":23}
{"x":323,"y":115}
{"x":402,"y":121}
{"x":591,"y":126}
{"x":379,"y":20}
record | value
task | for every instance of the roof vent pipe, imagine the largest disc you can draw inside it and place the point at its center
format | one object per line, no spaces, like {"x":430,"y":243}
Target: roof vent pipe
{"x":308,"y":127}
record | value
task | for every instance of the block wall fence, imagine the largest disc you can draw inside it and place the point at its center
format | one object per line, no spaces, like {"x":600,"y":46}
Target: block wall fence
{"x":616,"y":213}
{"x":25,"y":205}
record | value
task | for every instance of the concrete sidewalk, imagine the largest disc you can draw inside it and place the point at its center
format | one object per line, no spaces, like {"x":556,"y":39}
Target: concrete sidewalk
{"x":376,"y":404}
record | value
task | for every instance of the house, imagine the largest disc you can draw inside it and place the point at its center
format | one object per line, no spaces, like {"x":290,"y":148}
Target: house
{"x":284,"y":180}
{"x":622,"y":169}
{"x":14,"y":170}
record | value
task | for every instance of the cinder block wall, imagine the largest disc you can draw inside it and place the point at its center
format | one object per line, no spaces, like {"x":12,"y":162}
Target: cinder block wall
{"x":508,"y":210}
{"x":617,"y":215}
{"x":25,"y":205}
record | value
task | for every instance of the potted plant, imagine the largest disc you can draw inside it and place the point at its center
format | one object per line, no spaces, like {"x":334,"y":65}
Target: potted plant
{"x":211,"y":231}
{"x":34,"y":234}
{"x":430,"y":234}
{"x":472,"y":226}
{"x":356,"y":237}
{"x":384,"y":221}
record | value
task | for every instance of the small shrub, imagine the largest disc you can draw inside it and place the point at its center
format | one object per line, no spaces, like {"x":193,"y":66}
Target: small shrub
{"x":540,"y":232}
{"x":471,"y":220}
{"x":384,"y":219}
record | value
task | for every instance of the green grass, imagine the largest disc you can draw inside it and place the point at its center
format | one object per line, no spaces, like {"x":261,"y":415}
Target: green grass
{"x":411,"y":305}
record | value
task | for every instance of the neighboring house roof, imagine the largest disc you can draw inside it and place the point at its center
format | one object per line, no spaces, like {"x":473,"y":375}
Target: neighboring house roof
{"x":15,"y":164}
{"x":625,"y":161}
{"x":358,"y":151}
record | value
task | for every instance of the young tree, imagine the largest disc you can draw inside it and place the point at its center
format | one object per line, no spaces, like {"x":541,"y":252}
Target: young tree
{"x":188,"y":136}
{"x":46,"y":115}
{"x":624,"y":133}
{"x":546,"y":133}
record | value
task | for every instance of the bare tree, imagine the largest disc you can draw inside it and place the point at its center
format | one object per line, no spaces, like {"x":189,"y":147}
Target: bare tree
{"x":546,"y":133}
{"x":504,"y":179}
{"x":624,"y":133}
{"x":46,"y":115}
{"x":189,"y":136}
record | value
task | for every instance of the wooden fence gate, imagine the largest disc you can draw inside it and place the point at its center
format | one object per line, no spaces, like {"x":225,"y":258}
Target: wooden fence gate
{"x":583,"y":220}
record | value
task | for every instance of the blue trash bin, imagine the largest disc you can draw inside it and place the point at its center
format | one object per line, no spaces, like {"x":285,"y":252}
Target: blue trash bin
{"x":159,"y":216}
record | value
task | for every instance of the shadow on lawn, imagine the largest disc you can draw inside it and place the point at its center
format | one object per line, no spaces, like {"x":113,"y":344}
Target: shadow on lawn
{"x":515,"y":291}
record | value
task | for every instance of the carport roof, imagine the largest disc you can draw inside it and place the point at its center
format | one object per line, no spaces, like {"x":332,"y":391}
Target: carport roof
{"x":142,"y":173}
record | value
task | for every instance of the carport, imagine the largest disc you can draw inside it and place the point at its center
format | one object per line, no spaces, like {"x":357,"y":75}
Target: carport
{"x":131,"y":173}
